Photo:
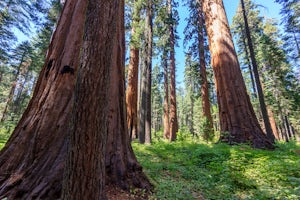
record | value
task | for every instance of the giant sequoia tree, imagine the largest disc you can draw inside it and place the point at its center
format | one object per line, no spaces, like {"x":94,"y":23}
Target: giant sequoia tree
{"x":237,"y":118}
{"x":33,"y":160}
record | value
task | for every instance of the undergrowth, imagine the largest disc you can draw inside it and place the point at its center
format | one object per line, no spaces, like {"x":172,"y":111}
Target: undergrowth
{"x":196,"y":170}
{"x":191,"y":169}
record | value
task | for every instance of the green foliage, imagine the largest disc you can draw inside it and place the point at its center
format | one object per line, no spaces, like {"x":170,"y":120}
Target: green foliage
{"x":281,"y":89}
{"x":19,"y":71}
{"x":156,"y":98}
{"x":5,"y":131}
{"x":206,"y":131}
{"x":291,"y":20}
{"x":194,"y":170}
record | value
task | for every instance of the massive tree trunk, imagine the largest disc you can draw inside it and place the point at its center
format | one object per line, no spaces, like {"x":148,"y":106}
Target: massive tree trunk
{"x":173,"y":106}
{"x":237,"y":118}
{"x":133,"y":73}
{"x":263,"y":106}
{"x":32,"y":161}
{"x":204,"y":82}
{"x":85,"y":170}
{"x":166,"y":97}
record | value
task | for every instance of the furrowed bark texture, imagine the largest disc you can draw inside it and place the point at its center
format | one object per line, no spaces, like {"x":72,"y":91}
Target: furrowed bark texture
{"x":237,"y":119}
{"x":85,"y":170}
{"x":32,"y":161}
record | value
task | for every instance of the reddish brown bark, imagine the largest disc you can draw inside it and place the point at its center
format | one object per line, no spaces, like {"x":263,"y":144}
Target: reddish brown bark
{"x":166,"y":98}
{"x":237,"y":119}
{"x":122,"y":168}
{"x":204,"y":83}
{"x":32,"y":162}
{"x":173,"y":106}
{"x":273,"y":123}
{"x":85,"y":170}
{"x":132,"y":91}
{"x":133,"y":72}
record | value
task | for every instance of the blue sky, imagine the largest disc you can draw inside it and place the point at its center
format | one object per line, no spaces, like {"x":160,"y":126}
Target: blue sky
{"x":271,"y":10}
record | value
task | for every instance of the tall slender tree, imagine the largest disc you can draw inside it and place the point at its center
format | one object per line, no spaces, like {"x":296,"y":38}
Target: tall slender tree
{"x":237,"y":119}
{"x":148,"y":64}
{"x":166,"y":97}
{"x":204,"y":82}
{"x":133,"y":72}
{"x":261,"y":98}
{"x":145,"y":96}
{"x":173,"y":107}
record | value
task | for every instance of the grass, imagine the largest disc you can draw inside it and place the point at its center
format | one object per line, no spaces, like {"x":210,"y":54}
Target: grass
{"x":189,"y":170}
{"x":3,"y":139}
{"x":195,"y":170}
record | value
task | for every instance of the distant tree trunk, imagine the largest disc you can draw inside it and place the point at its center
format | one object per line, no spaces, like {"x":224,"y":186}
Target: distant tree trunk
{"x":166,"y":97}
{"x":148,"y":64}
{"x":283,"y":125}
{"x":287,"y":125}
{"x":273,"y":123}
{"x":173,"y":106}
{"x":263,"y":106}
{"x":204,"y":82}
{"x":296,"y":42}
{"x":133,"y":73}
{"x":237,"y":118}
{"x":281,"y":134}
{"x":32,"y":162}
{"x":17,"y":102}
{"x":12,"y":89}
{"x":192,"y":116}
{"x":142,"y":100}
{"x":132,"y":91}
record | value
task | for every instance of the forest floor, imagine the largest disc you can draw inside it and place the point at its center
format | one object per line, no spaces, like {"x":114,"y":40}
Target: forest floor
{"x":189,"y":169}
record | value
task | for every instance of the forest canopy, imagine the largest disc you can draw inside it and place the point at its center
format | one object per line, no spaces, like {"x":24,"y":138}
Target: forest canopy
{"x":83,"y":81}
